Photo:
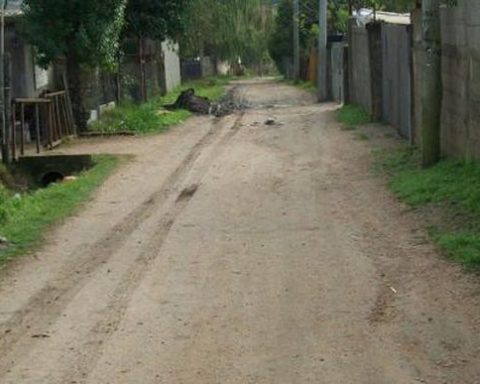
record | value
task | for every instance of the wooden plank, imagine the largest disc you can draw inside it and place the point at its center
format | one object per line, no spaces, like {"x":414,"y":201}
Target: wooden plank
{"x":14,"y":134}
{"x":55,"y":94}
{"x":69,"y":104}
{"x":37,"y":127}
{"x":63,"y":110}
{"x":61,"y":128}
{"x":22,"y":129}
{"x":31,"y":101}
{"x":49,"y":126}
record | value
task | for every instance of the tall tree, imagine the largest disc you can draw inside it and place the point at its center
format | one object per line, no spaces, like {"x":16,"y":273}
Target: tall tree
{"x":229,"y":29}
{"x":85,"y":32}
{"x":156,"y":19}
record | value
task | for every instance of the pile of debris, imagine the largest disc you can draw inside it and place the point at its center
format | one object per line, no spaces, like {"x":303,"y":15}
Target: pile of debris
{"x":202,"y":105}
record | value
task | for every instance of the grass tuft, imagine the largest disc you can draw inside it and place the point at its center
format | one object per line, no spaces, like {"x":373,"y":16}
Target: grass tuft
{"x":362,"y":136}
{"x":453,"y":187}
{"x":151,"y":117}
{"x":353,"y":115}
{"x":25,"y":217}
{"x":307,"y":86}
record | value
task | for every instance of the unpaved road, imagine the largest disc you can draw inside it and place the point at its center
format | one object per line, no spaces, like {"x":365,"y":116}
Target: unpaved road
{"x":234,"y":252}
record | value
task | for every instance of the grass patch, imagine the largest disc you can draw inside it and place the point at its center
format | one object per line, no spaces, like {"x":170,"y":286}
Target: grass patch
{"x":151,"y":117}
{"x":353,"y":115}
{"x":25,"y":217}
{"x":450,"y":186}
{"x":307,"y":86}
{"x":362,"y":136}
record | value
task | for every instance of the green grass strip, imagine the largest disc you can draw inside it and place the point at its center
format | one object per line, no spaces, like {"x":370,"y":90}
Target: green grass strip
{"x":353,"y":115}
{"x":307,"y":86}
{"x":25,"y":218}
{"x":452,"y":186}
{"x":151,"y":117}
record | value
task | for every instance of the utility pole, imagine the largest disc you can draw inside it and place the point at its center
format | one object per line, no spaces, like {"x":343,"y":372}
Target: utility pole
{"x":296,"y":40}
{"x":3,"y":119}
{"x":432,"y":82}
{"x":322,"y":52}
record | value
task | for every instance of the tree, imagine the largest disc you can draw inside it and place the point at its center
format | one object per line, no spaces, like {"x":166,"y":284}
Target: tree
{"x":229,"y":29}
{"x":281,"y":40}
{"x":155,"y":19}
{"x":85,"y":32}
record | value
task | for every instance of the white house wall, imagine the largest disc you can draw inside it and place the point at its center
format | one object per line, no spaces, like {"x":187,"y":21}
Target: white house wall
{"x":172,"y":65}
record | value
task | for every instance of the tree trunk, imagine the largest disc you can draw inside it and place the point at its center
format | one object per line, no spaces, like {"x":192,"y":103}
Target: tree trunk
{"x":296,"y":40}
{"x":432,"y":82}
{"x":77,"y":93}
{"x":322,"y":86}
{"x":141,"y":58}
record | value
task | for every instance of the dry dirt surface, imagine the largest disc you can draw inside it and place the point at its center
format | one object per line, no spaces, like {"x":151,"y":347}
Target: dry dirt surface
{"x":228,"y":251}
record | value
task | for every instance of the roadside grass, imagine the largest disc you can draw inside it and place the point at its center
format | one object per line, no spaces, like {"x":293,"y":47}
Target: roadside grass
{"x":151,"y":117}
{"x":25,"y":217}
{"x":362,"y":136}
{"x":351,"y":116}
{"x":451,"y":187}
{"x":307,"y":86}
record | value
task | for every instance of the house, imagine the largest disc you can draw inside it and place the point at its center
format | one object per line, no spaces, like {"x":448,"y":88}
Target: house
{"x":158,"y":69}
{"x":28,"y":79}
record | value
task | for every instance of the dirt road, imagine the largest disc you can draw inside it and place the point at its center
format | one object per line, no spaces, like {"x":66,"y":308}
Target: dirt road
{"x":229,"y":251}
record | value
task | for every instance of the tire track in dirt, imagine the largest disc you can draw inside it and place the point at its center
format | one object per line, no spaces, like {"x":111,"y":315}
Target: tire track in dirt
{"x":113,"y":315}
{"x":48,"y":303}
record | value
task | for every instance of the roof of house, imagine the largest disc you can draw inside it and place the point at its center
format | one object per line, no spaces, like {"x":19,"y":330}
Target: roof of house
{"x":365,"y":16}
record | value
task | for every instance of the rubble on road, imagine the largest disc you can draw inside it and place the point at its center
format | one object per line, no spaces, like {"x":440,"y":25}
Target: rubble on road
{"x":202,"y":105}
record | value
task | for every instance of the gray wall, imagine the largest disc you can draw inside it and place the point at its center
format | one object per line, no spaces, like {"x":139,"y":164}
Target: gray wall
{"x":337,"y":72}
{"x":418,"y":60}
{"x":171,"y":65}
{"x":460,"y":130}
{"x":397,"y":78}
{"x":24,"y":71}
{"x":360,"y":81}
{"x":208,"y":66}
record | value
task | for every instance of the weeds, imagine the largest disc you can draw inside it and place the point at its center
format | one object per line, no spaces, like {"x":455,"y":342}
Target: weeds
{"x":307,"y":86}
{"x":24,"y":218}
{"x":450,"y":186}
{"x":362,"y":136}
{"x":151,"y":117}
{"x":352,"y":116}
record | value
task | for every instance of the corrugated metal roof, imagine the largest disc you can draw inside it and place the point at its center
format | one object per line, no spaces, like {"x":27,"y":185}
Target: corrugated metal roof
{"x":366,"y":15}
{"x":394,"y":18}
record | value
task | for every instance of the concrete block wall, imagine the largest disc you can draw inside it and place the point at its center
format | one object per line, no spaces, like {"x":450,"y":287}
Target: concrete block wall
{"x":172,"y":68}
{"x":360,"y":81}
{"x":397,"y":78}
{"x":338,"y":72}
{"x":460,"y":130}
{"x":418,"y":61}
{"x":208,"y":66}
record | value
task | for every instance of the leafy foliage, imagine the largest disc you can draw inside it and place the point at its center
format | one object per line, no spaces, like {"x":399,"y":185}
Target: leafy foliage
{"x":24,"y":218}
{"x":229,"y":29}
{"x":451,"y":189}
{"x":353,"y":115}
{"x":151,"y":117}
{"x":156,"y":19}
{"x":86,"y":30}
{"x":281,"y":41}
